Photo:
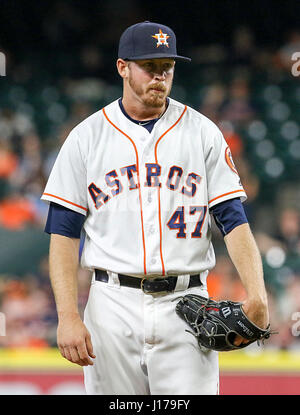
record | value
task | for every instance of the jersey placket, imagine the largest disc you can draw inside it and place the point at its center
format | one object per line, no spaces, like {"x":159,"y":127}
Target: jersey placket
{"x":150,"y":205}
{"x":152,"y":214}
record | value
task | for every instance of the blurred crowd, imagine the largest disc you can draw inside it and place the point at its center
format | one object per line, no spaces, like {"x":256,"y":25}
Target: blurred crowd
{"x":27,"y":155}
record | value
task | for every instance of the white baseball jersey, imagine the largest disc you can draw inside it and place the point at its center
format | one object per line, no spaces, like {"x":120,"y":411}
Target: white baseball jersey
{"x":146,"y":196}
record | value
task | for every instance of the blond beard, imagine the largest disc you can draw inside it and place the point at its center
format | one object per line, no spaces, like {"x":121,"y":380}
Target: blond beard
{"x":150,"y":99}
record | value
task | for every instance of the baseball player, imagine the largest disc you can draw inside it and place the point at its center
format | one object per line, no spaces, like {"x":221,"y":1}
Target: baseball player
{"x":142,"y":178}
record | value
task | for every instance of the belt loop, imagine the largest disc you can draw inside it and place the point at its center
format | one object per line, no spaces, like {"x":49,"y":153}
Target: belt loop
{"x":182,"y":282}
{"x":113,"y":278}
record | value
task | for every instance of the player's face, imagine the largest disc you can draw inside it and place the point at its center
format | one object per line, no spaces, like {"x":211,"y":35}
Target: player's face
{"x":150,"y":80}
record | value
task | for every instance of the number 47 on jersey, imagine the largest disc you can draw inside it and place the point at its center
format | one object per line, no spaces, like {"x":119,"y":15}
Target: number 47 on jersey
{"x":178,"y":221}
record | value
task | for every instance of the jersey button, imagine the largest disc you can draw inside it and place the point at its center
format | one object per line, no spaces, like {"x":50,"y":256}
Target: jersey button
{"x":153,"y":261}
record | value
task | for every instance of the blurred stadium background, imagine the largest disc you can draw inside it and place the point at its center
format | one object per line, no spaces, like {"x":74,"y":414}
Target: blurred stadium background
{"x":60,"y":68}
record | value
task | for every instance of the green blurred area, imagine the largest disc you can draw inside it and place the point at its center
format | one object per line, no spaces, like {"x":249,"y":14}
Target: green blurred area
{"x":21,"y":251}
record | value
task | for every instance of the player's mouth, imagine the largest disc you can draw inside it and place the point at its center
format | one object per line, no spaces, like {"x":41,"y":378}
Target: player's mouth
{"x":157,"y":89}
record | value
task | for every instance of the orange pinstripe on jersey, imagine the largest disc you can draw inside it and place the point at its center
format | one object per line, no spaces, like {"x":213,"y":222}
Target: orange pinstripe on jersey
{"x":158,"y":194}
{"x":139,"y":185}
{"x":65,"y":200}
{"x":225,"y":194}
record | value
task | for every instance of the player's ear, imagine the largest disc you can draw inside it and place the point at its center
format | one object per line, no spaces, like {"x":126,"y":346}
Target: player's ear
{"x":123,"y":68}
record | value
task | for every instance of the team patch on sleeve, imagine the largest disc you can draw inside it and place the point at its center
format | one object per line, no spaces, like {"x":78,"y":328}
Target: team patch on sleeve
{"x":229,"y":160}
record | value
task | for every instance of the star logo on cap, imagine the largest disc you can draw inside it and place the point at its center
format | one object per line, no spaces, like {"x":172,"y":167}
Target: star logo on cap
{"x":161,"y":38}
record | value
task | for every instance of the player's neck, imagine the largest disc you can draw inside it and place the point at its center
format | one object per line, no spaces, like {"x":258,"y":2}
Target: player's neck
{"x":140,"y":112}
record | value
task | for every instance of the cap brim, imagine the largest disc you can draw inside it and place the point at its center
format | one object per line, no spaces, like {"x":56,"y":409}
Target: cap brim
{"x":157,"y":56}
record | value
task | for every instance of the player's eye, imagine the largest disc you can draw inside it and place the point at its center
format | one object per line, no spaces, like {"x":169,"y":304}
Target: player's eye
{"x":167,"y":67}
{"x":148,"y":66}
{"x":153,"y":67}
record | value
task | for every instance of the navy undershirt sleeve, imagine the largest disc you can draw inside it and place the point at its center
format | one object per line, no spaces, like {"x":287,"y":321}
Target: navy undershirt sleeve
{"x":228,"y":215}
{"x":64,"y":221}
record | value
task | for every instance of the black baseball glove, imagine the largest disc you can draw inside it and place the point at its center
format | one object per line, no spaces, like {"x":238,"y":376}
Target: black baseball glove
{"x":216,"y":324}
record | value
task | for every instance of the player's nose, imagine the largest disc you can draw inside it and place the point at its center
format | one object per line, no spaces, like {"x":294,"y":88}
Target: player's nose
{"x":160,"y":72}
{"x":160,"y":75}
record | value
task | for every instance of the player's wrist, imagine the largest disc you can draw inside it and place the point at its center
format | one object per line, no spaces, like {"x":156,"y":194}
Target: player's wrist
{"x":258,"y":301}
{"x":257,"y":311}
{"x":68,"y":315}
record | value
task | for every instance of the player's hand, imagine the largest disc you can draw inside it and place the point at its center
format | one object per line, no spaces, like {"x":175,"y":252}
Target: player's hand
{"x":258,"y":313}
{"x":74,"y":340}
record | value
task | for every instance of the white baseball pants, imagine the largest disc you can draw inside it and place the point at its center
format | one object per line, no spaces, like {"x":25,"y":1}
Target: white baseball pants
{"x":141,"y":344}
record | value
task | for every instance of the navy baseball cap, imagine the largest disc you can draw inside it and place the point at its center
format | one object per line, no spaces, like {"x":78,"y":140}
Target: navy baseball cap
{"x":148,"y":40}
